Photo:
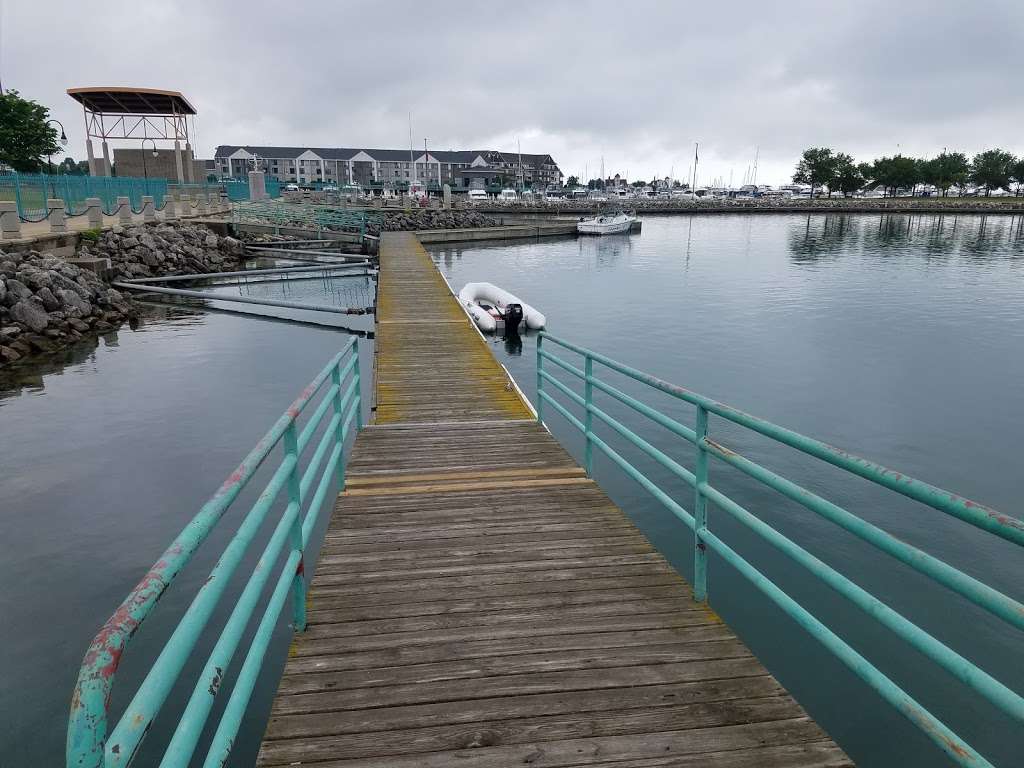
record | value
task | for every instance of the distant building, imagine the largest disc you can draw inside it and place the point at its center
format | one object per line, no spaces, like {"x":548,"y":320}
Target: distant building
{"x":392,"y":168}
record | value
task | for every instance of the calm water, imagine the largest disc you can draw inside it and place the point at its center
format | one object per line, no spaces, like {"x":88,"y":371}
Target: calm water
{"x":897,"y":338}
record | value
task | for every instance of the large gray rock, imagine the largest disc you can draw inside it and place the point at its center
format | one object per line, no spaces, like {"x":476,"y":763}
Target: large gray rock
{"x":73,"y":301}
{"x":3,"y":290}
{"x":30,"y":314}
{"x":50,"y":301}
{"x":16,"y":291}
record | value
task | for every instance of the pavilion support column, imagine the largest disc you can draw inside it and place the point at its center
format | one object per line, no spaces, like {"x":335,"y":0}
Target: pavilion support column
{"x":190,"y":165}
{"x":177,"y":161}
{"x":92,"y":157}
{"x":106,"y":158}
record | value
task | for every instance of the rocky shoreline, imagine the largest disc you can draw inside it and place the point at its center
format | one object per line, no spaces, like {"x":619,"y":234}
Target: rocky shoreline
{"x":47,"y":303}
{"x":430,"y":218}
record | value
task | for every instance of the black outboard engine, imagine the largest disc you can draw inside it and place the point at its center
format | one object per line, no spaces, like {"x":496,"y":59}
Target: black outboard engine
{"x":513,"y":318}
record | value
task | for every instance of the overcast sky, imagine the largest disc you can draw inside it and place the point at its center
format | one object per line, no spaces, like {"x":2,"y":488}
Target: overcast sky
{"x":637,"y":82}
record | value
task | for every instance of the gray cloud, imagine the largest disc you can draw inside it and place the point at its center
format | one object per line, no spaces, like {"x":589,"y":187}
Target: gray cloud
{"x":637,"y":83}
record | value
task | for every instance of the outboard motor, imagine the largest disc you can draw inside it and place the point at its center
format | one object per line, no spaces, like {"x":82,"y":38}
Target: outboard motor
{"x":513,"y":317}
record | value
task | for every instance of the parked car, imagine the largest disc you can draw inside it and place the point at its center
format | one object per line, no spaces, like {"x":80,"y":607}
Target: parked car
{"x":477,"y":195}
{"x":291,"y":187}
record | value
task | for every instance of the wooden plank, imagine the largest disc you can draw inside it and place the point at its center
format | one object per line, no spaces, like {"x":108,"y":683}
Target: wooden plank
{"x":499,"y":708}
{"x":532,"y":730}
{"x":480,"y":602}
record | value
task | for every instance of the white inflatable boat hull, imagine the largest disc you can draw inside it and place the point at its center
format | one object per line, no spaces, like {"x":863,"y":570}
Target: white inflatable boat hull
{"x":473,"y":294}
{"x":605,"y":225}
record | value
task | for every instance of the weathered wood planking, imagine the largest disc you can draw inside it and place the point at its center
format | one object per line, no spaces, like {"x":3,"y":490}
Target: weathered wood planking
{"x":480,"y":602}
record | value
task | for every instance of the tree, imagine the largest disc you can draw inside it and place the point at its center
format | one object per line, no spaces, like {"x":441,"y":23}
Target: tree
{"x":947,"y":170}
{"x":895,"y":172}
{"x":25,"y":136}
{"x":573,"y":181}
{"x":1017,"y":173}
{"x":991,"y":169}
{"x":847,"y":176}
{"x":816,"y":167}
{"x":639,"y":184}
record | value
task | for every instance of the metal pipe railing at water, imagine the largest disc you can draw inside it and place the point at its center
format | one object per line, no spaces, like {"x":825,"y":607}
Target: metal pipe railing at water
{"x":206,"y":296}
{"x":89,"y":745}
{"x":976,"y":591}
{"x":248,"y":273}
{"x":302,"y":252}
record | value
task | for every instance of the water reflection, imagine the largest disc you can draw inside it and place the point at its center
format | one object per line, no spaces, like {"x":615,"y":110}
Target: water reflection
{"x":830,"y":237}
{"x":30,"y":373}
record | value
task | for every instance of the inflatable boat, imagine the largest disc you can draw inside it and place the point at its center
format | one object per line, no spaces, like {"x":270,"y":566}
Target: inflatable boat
{"x":493,"y":308}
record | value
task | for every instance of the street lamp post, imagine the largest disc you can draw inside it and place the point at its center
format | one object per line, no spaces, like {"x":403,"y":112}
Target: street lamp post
{"x":64,"y":143}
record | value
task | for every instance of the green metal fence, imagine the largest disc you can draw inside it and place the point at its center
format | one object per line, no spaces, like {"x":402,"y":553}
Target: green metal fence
{"x":89,"y":746}
{"x":31,"y":190}
{"x":705,"y":538}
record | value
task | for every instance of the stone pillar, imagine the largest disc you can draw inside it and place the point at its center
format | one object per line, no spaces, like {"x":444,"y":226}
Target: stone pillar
{"x":124,"y":210}
{"x":55,"y":208}
{"x":446,"y":190}
{"x":170,"y":210}
{"x":201,"y":205}
{"x":223,"y":204}
{"x":190,"y":166}
{"x":94,"y":212}
{"x":92,"y":157}
{"x":10,"y":224}
{"x":257,"y":185}
{"x":106,"y":158}
{"x":177,"y":162}
{"x":186,"y":205}
{"x":148,"y":211}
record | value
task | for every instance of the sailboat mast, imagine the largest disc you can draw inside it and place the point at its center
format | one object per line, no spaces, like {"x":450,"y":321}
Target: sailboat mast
{"x":757,"y":154}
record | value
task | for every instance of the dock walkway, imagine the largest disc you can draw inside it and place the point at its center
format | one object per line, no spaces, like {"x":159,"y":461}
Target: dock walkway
{"x":480,"y":602}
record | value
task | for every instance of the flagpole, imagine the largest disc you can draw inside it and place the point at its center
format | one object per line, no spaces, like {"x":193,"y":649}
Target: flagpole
{"x":693,"y":188}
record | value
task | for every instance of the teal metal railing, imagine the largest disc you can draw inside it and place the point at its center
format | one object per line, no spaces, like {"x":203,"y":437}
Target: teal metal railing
{"x":89,"y":745}
{"x":30,"y":192}
{"x":318,"y":217}
{"x":980,"y":516}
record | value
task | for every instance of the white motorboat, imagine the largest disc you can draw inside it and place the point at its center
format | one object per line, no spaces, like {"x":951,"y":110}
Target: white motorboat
{"x":605,"y":224}
{"x":492,"y":308}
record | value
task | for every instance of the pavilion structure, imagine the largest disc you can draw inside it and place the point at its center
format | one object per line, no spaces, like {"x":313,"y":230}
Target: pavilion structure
{"x":135,"y":114}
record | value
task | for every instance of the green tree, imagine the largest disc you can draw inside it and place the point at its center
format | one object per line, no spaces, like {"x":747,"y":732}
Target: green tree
{"x":25,"y":136}
{"x":639,"y":184}
{"x":949,"y":169}
{"x":816,"y":167}
{"x":847,"y":176}
{"x":572,"y":181}
{"x":1017,"y":174}
{"x":991,"y":169}
{"x":896,"y":172}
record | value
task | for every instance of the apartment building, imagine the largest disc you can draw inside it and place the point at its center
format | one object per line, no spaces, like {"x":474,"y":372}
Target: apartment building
{"x":383,"y":168}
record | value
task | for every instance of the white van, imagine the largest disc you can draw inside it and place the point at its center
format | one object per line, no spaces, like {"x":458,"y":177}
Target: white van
{"x":508,"y":195}
{"x":477,"y":195}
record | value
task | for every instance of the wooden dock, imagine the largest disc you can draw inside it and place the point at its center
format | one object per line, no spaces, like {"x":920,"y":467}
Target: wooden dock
{"x":480,"y":602}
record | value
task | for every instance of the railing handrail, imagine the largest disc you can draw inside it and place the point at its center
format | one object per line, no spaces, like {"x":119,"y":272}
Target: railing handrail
{"x":985,"y":518}
{"x":88,"y":745}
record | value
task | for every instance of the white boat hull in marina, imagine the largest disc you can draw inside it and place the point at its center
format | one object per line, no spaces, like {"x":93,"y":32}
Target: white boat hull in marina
{"x":605,"y":225}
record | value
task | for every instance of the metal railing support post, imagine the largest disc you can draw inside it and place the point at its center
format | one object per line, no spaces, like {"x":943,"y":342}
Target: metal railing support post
{"x":291,"y":448}
{"x":700,"y":510}
{"x":339,"y":435}
{"x":588,"y":419}
{"x":358,"y":378}
{"x":540,"y":381}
